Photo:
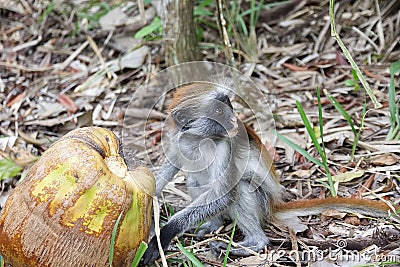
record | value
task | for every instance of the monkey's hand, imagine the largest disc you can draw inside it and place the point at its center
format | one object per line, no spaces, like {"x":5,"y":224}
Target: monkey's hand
{"x":255,"y":244}
{"x":166,"y":234}
{"x":151,"y":253}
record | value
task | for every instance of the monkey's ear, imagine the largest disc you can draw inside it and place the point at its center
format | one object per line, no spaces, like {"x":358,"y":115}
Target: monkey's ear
{"x":181,"y":117}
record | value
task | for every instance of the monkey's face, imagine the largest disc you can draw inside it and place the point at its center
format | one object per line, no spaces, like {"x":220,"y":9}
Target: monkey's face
{"x":214,"y":117}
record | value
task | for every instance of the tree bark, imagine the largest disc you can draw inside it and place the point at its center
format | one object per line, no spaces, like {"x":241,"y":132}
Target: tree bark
{"x":179,"y":32}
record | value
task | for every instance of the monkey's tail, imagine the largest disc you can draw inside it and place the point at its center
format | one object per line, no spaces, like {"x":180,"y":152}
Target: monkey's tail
{"x":372,"y":208}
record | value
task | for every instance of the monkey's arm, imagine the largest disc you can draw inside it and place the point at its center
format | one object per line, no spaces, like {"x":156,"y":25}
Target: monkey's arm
{"x":165,"y":175}
{"x":285,"y":210}
{"x":204,"y":207}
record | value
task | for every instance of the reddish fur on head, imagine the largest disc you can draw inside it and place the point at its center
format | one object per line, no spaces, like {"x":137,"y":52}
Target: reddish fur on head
{"x":189,"y":92}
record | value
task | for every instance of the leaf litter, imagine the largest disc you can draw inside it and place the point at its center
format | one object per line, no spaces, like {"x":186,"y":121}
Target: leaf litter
{"x":68,"y":66}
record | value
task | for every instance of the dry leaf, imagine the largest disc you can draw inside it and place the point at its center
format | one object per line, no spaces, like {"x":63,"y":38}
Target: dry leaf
{"x":16,"y":99}
{"x":294,"y":67}
{"x":384,"y":160}
{"x":295,"y":224}
{"x":134,"y":59}
{"x":24,"y":157}
{"x":339,"y":230}
{"x":353,"y":220}
{"x":49,"y":109}
{"x":341,"y":59}
{"x":68,"y":103}
{"x":7,"y":142}
{"x":113,"y":19}
{"x":331,"y":213}
{"x":301,"y":174}
{"x":345,"y":177}
{"x":32,"y":139}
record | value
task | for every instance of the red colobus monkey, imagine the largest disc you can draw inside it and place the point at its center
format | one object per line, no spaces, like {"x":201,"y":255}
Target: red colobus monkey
{"x":229,"y":173}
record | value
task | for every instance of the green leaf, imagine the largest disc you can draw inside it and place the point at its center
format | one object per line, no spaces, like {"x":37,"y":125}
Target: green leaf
{"x":355,"y":77}
{"x":320,"y":120}
{"x":395,"y":67}
{"x":189,"y":255}
{"x":302,"y":152}
{"x":155,"y":25}
{"x":8,"y":168}
{"x":201,"y":10}
{"x":114,"y":233}
{"x":349,"y":83}
{"x":228,"y":248}
{"x":309,"y":128}
{"x":323,"y":156}
{"x":344,"y":113}
{"x":139,"y":254}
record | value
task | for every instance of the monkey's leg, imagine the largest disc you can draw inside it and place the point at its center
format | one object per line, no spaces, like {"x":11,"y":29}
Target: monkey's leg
{"x":249,"y":219}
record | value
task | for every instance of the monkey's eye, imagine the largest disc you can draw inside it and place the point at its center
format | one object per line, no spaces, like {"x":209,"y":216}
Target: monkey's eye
{"x":218,"y":110}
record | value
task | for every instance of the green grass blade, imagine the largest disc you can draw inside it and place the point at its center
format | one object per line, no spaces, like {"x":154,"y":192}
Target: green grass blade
{"x":397,"y":137}
{"x":309,"y":129}
{"x":320,"y":120}
{"x":344,"y":113}
{"x":321,"y":130}
{"x":242,"y":23}
{"x":139,"y":254}
{"x":394,"y":68}
{"x":252,"y":8}
{"x":392,"y":98}
{"x":228,"y":248}
{"x":358,"y":135}
{"x":393,"y":131}
{"x":201,"y":9}
{"x":258,"y":11}
{"x":394,"y":116}
{"x":301,"y":151}
{"x":46,"y":12}
{"x":189,"y":255}
{"x":317,"y":146}
{"x":114,"y":233}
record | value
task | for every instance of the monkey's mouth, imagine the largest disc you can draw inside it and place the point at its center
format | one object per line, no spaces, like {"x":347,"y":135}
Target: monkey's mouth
{"x":233,"y":132}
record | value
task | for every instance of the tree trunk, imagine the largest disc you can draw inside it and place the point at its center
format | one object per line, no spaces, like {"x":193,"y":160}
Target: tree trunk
{"x":179,"y":32}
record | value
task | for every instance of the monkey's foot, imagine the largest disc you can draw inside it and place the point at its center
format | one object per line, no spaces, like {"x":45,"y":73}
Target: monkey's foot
{"x":251,"y":244}
{"x":208,"y":227}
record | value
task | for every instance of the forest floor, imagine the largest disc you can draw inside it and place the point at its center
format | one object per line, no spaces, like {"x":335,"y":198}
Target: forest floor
{"x":70,"y":64}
